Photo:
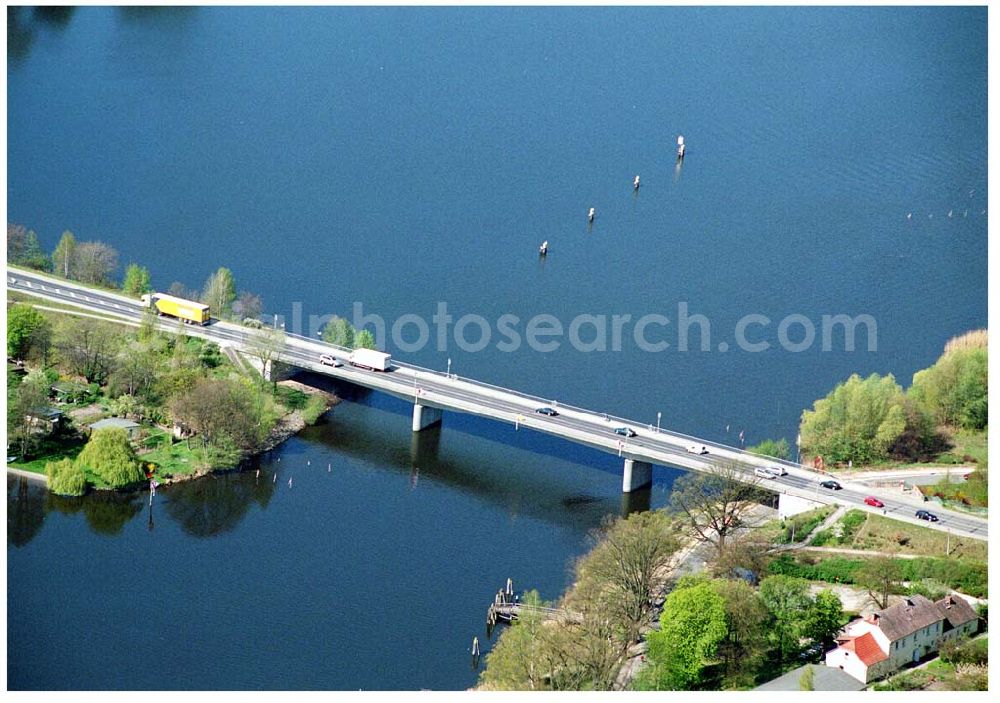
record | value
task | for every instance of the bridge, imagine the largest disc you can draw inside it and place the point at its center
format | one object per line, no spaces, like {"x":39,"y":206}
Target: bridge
{"x":433,"y":392}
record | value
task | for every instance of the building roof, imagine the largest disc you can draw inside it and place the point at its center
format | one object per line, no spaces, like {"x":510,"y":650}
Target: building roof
{"x":913,"y":613}
{"x":867,"y":649}
{"x":956,"y":611}
{"x":825,"y":678}
{"x":114,"y":422}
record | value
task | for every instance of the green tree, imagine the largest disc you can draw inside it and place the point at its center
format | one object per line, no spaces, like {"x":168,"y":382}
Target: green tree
{"x":785,"y":597}
{"x":109,"y":455}
{"x":136,"y":368}
{"x":339,"y":331}
{"x":823,"y":618}
{"x":66,"y":478}
{"x":692,"y":626}
{"x":743,"y":649}
{"x":773,"y":448}
{"x":25,"y":405}
{"x":23,"y":248}
{"x":27,"y":331}
{"x":859,"y":420}
{"x":64,"y":255}
{"x":954,"y":390}
{"x":364,"y":340}
{"x":806,"y":679}
{"x":219,"y":293}
{"x":516,"y":662}
{"x":136,"y":283}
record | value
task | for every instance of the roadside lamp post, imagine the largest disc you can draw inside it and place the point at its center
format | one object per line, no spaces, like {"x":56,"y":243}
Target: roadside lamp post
{"x":449,"y":368}
{"x":657,"y":422}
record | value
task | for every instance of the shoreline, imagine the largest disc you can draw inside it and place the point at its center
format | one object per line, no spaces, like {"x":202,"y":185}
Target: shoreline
{"x":288,"y":426}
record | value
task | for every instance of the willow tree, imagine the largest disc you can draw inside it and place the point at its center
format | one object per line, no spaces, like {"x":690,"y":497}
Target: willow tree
{"x":110,"y":455}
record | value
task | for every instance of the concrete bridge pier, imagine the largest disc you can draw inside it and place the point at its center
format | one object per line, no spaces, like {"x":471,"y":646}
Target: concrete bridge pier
{"x":637,"y":475}
{"x":424,"y":416}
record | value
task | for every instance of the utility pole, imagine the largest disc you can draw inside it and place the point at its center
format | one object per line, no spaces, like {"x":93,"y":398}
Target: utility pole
{"x":657,"y":412}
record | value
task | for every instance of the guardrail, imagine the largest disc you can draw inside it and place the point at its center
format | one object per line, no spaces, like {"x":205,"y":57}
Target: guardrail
{"x":538,"y":400}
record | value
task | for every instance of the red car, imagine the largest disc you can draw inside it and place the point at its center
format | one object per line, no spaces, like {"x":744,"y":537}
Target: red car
{"x":874,"y":502}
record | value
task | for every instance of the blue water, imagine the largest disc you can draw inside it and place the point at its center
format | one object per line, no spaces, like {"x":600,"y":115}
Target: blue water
{"x":404,"y":157}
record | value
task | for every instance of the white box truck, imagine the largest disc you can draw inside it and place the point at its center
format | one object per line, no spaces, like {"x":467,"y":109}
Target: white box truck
{"x":370,"y":359}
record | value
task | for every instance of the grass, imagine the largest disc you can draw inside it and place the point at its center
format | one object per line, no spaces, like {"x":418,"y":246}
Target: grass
{"x":28,"y":299}
{"x":50,"y":449}
{"x":781,"y":531}
{"x":172,"y":458}
{"x":863,"y":530}
{"x":969,"y":447}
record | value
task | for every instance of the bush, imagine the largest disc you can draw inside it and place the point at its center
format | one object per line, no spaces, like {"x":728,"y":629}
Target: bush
{"x":931,"y":589}
{"x":773,"y":448}
{"x":966,"y":576}
{"x":965,"y":651}
{"x":315,"y":407}
{"x":66,"y":478}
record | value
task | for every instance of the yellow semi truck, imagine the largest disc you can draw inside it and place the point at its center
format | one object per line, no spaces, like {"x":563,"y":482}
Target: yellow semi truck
{"x":187,"y":310}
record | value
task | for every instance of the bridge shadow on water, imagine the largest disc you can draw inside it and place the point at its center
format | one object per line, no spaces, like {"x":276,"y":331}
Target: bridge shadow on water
{"x":481,"y":456}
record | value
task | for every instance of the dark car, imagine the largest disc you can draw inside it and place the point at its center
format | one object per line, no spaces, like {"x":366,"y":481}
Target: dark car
{"x":625,"y":431}
{"x":832,"y":485}
{"x":546,"y":411}
{"x":924,"y":515}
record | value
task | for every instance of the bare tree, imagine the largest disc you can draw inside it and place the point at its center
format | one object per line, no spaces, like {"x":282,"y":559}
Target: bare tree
{"x":94,"y":262}
{"x":266,"y":344}
{"x":622,"y":571}
{"x":880,"y":576}
{"x":247,"y":305}
{"x":717,"y":502}
{"x":88,"y":347}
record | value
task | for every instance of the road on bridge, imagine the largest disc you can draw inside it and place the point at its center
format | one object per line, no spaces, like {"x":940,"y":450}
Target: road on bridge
{"x":437,"y":389}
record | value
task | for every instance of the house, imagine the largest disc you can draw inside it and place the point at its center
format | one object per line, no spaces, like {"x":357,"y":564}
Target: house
{"x":960,"y":619}
{"x":46,"y":420}
{"x":875,"y":646}
{"x":131,"y":428}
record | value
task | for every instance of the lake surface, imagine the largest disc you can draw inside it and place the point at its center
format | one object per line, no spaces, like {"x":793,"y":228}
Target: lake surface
{"x":403,"y":158}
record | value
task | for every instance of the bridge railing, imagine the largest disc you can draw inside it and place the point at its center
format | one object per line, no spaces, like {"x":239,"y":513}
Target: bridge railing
{"x":538,"y":400}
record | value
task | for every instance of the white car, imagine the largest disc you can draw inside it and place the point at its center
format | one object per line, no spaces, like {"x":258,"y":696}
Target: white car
{"x":697,"y":449}
{"x":330,"y":360}
{"x":766,"y":472}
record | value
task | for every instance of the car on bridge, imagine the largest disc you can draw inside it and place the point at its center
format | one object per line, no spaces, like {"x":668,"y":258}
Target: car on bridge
{"x":697,"y":449}
{"x":330,"y":360}
{"x":874,"y":502}
{"x":546,"y":411}
{"x":766,"y":472}
{"x":625,"y":431}
{"x":832,"y":485}
{"x":924,"y":515}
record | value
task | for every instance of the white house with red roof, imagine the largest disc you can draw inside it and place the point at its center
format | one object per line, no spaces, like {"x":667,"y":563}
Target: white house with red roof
{"x":875,"y":646}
